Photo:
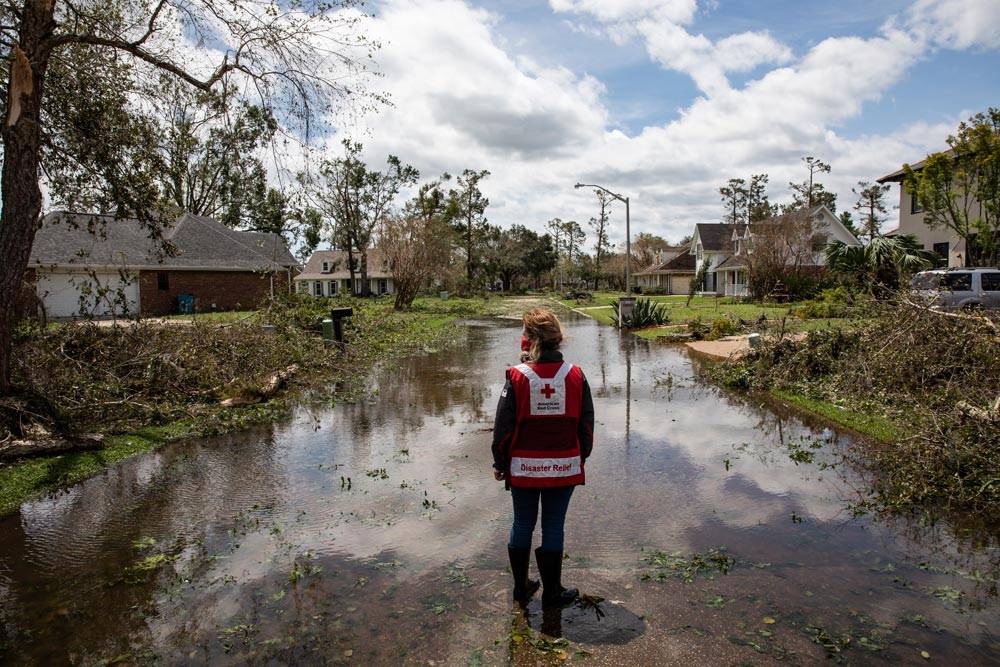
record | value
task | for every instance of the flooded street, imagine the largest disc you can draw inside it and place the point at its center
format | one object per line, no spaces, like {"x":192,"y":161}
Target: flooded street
{"x":717,"y":530}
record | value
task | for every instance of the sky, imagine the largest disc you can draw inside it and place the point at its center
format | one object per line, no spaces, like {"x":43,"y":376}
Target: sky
{"x":664,"y":100}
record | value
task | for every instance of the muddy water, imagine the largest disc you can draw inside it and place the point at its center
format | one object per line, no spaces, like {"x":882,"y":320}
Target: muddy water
{"x":373,"y":533}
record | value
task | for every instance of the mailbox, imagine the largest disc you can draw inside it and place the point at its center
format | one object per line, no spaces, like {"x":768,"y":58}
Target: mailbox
{"x":337,"y":315}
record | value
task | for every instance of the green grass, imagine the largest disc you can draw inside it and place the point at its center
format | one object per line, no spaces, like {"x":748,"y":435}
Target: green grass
{"x":705,"y":307}
{"x":874,"y":426}
{"x":33,"y":477}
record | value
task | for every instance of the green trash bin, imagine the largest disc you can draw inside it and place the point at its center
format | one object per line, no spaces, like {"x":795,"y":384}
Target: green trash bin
{"x":185,"y":304}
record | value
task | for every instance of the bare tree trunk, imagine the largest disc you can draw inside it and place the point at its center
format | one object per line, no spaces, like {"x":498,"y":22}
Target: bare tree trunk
{"x":365,"y":287}
{"x":22,"y":197}
{"x":468,"y":245}
{"x":350,"y":267}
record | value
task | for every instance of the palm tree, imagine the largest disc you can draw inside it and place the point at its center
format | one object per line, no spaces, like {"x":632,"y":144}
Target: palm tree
{"x":885,"y":260}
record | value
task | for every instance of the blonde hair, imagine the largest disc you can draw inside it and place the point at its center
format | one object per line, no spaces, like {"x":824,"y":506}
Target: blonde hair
{"x":544,"y":332}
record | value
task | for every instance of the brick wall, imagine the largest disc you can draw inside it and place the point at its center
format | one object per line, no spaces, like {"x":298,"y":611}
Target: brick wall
{"x":227,"y":290}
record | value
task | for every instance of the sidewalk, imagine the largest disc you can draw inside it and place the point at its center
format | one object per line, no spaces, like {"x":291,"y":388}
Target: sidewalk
{"x":730,"y":348}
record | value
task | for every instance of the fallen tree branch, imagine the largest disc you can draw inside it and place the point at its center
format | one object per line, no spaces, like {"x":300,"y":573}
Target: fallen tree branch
{"x":982,"y":319}
{"x":268,"y":389}
{"x":17,"y":449}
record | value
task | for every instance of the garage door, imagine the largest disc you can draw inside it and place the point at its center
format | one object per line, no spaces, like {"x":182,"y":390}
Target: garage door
{"x":680,"y":284}
{"x":79,"y":293}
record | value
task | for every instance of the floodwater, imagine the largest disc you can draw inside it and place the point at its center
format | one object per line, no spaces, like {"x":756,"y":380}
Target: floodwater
{"x":716,"y":529}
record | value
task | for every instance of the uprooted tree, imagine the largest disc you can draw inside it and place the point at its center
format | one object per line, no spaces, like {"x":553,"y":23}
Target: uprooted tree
{"x":74,"y":101}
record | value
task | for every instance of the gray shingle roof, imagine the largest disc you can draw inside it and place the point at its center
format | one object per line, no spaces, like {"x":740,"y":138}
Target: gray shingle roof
{"x":201,"y":243}
{"x":714,"y":236}
{"x":682,"y":263}
{"x":733,"y":262}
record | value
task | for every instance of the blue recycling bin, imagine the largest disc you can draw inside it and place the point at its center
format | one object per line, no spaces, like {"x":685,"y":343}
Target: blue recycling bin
{"x":185,"y":304}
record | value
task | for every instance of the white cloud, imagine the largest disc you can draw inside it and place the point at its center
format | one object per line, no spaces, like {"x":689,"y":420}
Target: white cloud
{"x":957,"y":24}
{"x":675,"y":11}
{"x":463,"y":101}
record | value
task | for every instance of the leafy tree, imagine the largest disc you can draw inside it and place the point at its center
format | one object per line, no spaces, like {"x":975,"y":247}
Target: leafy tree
{"x":645,"y":246}
{"x":872,"y":207}
{"x":310,"y":221}
{"x":758,"y":207}
{"x":468,"y":215}
{"x":735,"y":197}
{"x":847,"y":220}
{"x":959,"y":190}
{"x":359,"y":199}
{"x":70,"y":113}
{"x":210,"y":143}
{"x":698,"y":281}
{"x":513,"y":253}
{"x":540,"y":257}
{"x":417,"y":249}
{"x":811,"y":192}
{"x":883,"y":262}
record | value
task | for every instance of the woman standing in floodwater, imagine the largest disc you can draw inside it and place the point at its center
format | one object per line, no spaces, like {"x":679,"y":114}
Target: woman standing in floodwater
{"x":542,"y":436}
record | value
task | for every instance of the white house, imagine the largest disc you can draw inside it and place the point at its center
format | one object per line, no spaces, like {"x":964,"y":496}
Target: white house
{"x":328,"y":274}
{"x":727,"y":247}
{"x":948,"y":245}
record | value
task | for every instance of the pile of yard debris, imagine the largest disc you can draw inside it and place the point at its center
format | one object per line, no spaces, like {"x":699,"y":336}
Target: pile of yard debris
{"x":934,"y":374}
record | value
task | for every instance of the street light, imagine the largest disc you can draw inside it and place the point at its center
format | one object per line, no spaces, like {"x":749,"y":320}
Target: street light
{"x":628,"y":233}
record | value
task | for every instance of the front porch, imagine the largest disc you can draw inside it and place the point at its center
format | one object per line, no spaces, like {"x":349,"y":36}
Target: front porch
{"x":726,"y":282}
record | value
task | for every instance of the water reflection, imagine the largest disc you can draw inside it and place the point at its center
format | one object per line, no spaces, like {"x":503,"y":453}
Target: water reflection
{"x":373,"y":532}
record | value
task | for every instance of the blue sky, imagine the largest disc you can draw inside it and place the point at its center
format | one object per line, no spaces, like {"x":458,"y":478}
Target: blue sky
{"x":666,"y":99}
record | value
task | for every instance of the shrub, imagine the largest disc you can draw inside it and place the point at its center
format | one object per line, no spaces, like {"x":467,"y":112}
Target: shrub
{"x":697,"y":328}
{"x":645,"y":314}
{"x":723,"y":326}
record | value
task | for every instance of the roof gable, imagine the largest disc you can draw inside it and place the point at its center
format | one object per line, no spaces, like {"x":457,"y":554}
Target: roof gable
{"x":714,"y":236}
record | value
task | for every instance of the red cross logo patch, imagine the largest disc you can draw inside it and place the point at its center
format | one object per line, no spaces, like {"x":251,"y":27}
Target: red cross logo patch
{"x":547,"y":390}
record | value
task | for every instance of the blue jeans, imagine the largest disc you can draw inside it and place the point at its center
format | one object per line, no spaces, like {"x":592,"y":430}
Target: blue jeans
{"x":554,"y":505}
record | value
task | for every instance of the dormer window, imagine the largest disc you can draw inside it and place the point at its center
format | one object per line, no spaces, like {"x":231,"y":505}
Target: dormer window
{"x":326,"y":267}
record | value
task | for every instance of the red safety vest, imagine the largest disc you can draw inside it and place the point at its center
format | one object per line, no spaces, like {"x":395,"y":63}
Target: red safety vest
{"x":545,"y":450}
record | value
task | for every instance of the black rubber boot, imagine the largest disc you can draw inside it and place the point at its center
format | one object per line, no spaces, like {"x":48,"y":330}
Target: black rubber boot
{"x":550,"y":567}
{"x":524,"y":588}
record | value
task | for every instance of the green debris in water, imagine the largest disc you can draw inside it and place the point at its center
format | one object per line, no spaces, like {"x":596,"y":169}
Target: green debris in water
{"x":677,"y":565}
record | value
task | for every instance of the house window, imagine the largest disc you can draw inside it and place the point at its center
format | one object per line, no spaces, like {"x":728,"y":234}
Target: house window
{"x":317,"y":288}
{"x":326,"y":267}
{"x":383,"y":286}
{"x":941,"y":249}
{"x":332,"y":287}
{"x":915,"y":206}
{"x":162,"y":281}
{"x":991,"y":281}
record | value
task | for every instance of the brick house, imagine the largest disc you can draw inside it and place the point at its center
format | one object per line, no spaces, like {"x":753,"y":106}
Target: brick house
{"x":85,"y":264}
